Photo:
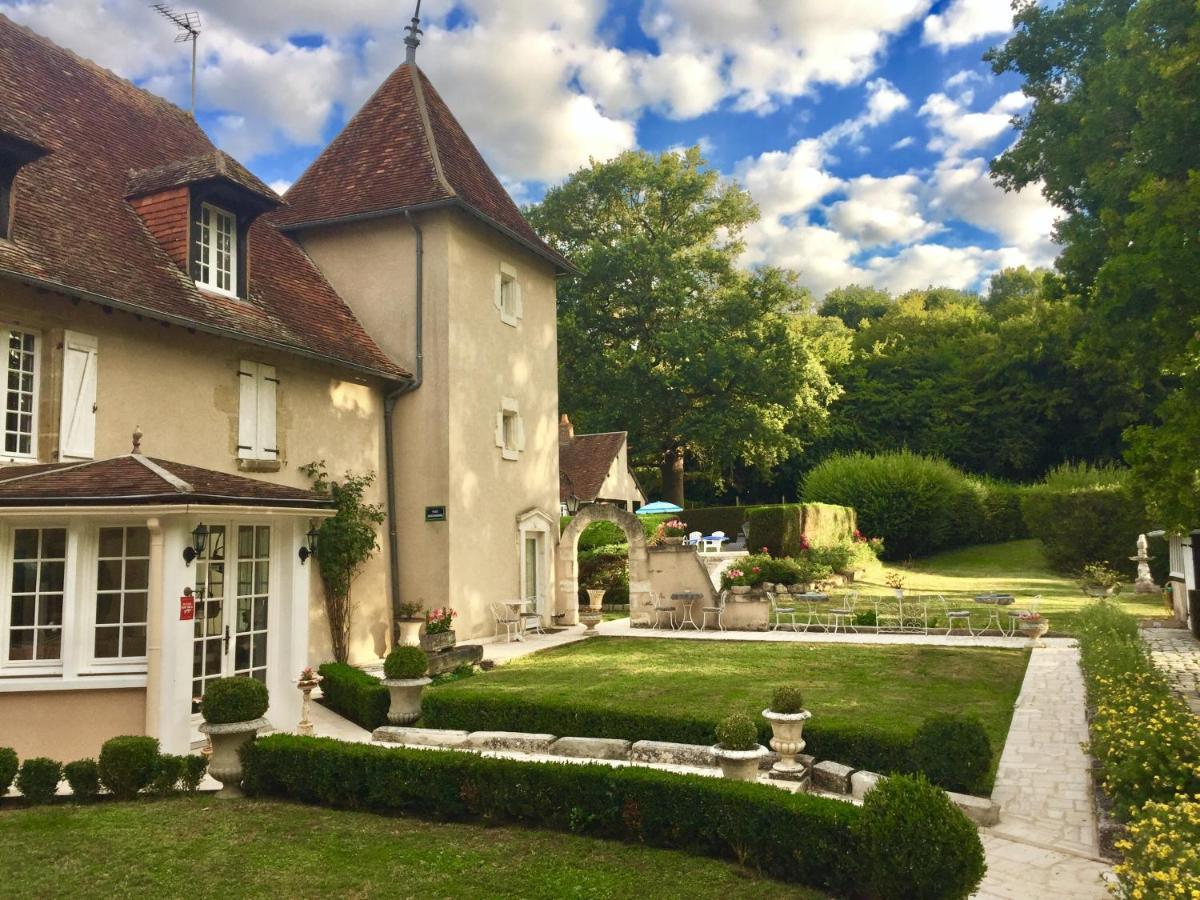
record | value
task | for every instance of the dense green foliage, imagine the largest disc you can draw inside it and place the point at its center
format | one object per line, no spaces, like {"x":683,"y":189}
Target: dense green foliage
{"x":352,"y":693}
{"x":917,"y":504}
{"x":345,"y":542}
{"x":736,"y":732}
{"x":787,"y":699}
{"x":707,"y":519}
{"x":663,"y":335}
{"x":167,"y":774}
{"x":778,"y":529}
{"x":83,"y":775}
{"x":405,"y":663}
{"x":953,"y":751}
{"x":1112,"y":136}
{"x":38,"y":779}
{"x":194,"y":767}
{"x":127,"y":764}
{"x":793,"y":837}
{"x":917,"y":843}
{"x":8,"y":769}
{"x":234,"y":699}
{"x":1084,"y":514}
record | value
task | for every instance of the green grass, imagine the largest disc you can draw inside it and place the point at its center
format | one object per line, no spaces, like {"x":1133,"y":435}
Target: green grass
{"x":1016,"y":567}
{"x":204,"y":847}
{"x":890,"y":689}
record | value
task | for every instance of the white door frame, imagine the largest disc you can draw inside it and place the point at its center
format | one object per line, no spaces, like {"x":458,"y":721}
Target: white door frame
{"x":536,"y":524}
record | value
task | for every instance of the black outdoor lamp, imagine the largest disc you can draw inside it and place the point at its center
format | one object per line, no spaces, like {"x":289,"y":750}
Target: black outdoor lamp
{"x":310,"y":549}
{"x":572,"y":505}
{"x":199,"y":541}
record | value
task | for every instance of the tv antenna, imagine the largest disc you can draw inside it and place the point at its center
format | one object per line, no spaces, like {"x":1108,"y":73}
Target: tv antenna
{"x":188,"y":24}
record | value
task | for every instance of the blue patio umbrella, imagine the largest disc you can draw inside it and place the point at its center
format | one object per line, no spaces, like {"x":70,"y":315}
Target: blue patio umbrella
{"x":658,"y":507}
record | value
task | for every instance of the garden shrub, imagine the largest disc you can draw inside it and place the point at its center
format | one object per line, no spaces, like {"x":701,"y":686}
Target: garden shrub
{"x":405,"y":663}
{"x":1161,"y":851}
{"x":167,"y":773}
{"x":824,"y":524}
{"x":234,"y":699}
{"x":605,"y":568}
{"x":38,"y":779}
{"x":777,"y":528}
{"x":737,"y":732}
{"x":127,"y":764}
{"x":707,"y":519}
{"x":1002,"y":516}
{"x":839,"y":557}
{"x":787,"y":699}
{"x":8,"y":769}
{"x":916,"y":843}
{"x":601,"y":534}
{"x":352,"y":693}
{"x":83,"y":776}
{"x":953,"y":751}
{"x":1085,"y":514}
{"x":194,"y":767}
{"x":917,"y":504}
{"x":791,"y":837}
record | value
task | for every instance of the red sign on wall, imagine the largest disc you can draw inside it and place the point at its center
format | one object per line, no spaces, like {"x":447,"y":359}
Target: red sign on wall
{"x":187,"y":608}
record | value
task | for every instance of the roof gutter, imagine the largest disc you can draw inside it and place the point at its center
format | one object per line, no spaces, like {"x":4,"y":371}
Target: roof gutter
{"x":193,"y":325}
{"x":389,"y":409}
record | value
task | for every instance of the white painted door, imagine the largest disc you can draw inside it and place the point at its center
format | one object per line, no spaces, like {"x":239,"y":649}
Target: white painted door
{"x":533,"y":577}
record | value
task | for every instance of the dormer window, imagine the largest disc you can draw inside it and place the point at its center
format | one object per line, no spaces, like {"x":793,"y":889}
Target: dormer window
{"x":6,"y":179}
{"x":216,"y":249}
{"x":15,"y":152}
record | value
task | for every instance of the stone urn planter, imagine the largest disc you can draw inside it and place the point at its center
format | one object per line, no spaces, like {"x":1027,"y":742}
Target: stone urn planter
{"x":227,"y":741}
{"x":432,"y":643}
{"x":739,"y":765}
{"x":405,"y":707}
{"x":787,"y":739}
{"x":1035,"y":631}
{"x":233,"y":714}
{"x":595,"y":598}
{"x":740,"y":588}
{"x":410,"y":631}
{"x":591,"y":618}
{"x":673,"y":541}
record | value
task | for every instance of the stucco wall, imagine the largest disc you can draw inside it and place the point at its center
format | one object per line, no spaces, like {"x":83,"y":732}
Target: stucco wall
{"x":619,"y":483}
{"x":33,"y":723}
{"x":182,"y":388}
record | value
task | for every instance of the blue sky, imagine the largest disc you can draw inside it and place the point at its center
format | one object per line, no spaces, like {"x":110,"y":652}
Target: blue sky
{"x":863,"y":128}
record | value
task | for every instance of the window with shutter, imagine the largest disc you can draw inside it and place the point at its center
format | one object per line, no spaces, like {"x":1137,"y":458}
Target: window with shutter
{"x":77,"y":426}
{"x":257,"y":436}
{"x":508,"y":295}
{"x":510,"y":429}
{"x":21,"y":384}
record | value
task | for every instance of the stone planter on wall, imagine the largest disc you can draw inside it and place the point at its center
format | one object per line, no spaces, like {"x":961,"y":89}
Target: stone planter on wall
{"x":410,"y":632}
{"x":226,"y":763}
{"x":1035,"y":631}
{"x":740,"y":589}
{"x":432,"y":643}
{"x":405,"y":707}
{"x":739,"y":765}
{"x":787,"y":739}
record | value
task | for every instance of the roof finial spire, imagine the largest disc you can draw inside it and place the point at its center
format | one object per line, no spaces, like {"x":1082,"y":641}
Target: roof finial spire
{"x":137,"y":439}
{"x":414,"y":36}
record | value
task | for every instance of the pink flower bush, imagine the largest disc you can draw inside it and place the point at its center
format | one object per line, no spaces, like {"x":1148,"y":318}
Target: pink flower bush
{"x":440,"y":620}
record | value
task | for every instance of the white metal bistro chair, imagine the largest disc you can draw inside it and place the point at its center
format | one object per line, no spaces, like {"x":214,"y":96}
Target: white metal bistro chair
{"x":507,"y":619}
{"x":718,"y":611}
{"x":956,"y":614}
{"x":916,"y":615}
{"x":661,"y":606}
{"x":842,"y":615}
{"x":531,"y":619}
{"x":779,"y":613}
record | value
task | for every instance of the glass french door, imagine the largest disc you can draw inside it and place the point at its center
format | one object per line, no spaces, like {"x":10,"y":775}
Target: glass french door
{"x":233,"y":583}
{"x":532,"y":577}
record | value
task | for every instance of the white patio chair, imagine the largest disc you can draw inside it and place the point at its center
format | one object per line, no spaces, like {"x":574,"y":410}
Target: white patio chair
{"x":712,"y":543}
{"x":842,"y":616}
{"x":508,"y":619}
{"x":779,"y":613}
{"x":954,"y":614}
{"x":694,"y":538}
{"x":662,"y":606}
{"x":531,"y":619}
{"x":718,"y":611}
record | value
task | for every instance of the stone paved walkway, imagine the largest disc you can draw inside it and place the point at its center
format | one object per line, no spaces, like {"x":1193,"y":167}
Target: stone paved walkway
{"x":1177,"y":654}
{"x":1046,"y":842}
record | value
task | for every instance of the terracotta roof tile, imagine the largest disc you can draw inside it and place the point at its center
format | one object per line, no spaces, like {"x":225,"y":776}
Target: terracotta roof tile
{"x":209,"y":166}
{"x":584,"y":462}
{"x":394,"y":155}
{"x":74,"y":230}
{"x":135,"y":479}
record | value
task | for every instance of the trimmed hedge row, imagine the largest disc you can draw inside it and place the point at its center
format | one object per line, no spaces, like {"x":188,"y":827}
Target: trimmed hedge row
{"x":778,"y":528}
{"x":354,"y":694}
{"x":708,"y":519}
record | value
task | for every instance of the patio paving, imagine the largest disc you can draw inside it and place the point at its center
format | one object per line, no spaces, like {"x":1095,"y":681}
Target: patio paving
{"x":1176,"y":653}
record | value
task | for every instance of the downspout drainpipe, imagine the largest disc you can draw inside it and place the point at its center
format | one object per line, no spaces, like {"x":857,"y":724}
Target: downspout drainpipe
{"x":389,"y":408}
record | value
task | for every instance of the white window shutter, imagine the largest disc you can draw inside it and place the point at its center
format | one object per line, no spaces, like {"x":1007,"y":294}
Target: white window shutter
{"x":500,"y":429}
{"x":518,"y":307}
{"x":265,"y":444}
{"x":77,"y":428}
{"x":247,"y":409}
{"x":520,"y":432}
{"x":499,"y":300}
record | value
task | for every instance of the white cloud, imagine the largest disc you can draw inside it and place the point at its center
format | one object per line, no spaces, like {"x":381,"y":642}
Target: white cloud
{"x":956,"y":129}
{"x":883,"y":102}
{"x":788,"y":182}
{"x":904,"y":142}
{"x":880,"y":211}
{"x":966,"y":21}
{"x":280,"y":186}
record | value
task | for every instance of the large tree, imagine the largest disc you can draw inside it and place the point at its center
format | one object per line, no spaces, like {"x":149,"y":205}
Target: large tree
{"x":663,"y":335}
{"x":1114,"y":136}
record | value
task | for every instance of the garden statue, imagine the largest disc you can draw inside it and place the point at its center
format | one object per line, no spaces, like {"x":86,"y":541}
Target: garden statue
{"x":1144,"y":584}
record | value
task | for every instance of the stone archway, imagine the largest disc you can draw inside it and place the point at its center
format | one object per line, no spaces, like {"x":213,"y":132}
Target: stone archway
{"x":567,"y":600}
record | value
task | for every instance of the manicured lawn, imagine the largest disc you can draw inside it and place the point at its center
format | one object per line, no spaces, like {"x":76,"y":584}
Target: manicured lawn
{"x":1016,"y":567}
{"x":886,"y":690}
{"x":203,"y":847}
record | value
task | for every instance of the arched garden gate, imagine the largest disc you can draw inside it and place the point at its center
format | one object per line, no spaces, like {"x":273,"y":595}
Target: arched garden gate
{"x":567,"y":599}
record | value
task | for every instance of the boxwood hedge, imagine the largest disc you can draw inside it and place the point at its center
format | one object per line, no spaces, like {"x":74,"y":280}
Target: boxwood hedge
{"x":354,"y":694}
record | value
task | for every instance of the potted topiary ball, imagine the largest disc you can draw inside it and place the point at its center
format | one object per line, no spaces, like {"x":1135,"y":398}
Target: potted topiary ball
{"x":233,"y":711}
{"x":787,"y":716}
{"x":737,"y":749}
{"x":404,"y":671}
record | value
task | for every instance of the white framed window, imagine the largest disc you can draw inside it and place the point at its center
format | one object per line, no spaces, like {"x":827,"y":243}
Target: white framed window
{"x":216,"y":250}
{"x":20,"y":394}
{"x":122,"y":592}
{"x":257,"y":436}
{"x":508,"y":295}
{"x":510,"y":429}
{"x":37,"y":575}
